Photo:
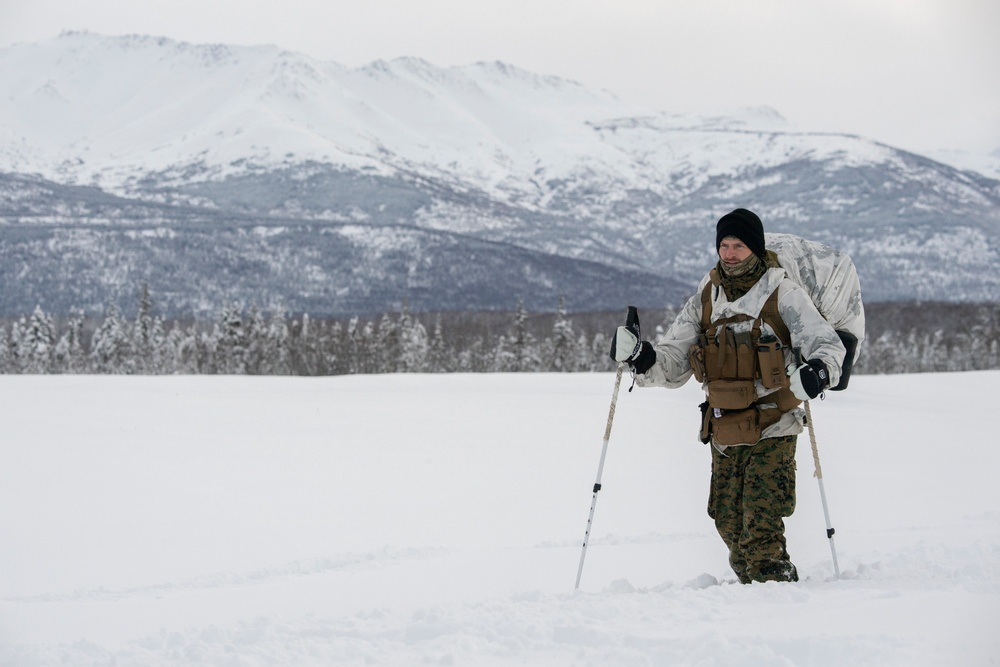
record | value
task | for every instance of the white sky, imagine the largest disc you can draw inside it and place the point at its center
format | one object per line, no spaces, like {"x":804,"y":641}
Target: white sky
{"x":918,"y":74}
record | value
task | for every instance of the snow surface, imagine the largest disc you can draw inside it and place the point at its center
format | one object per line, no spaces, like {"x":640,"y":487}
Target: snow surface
{"x":413,"y":519}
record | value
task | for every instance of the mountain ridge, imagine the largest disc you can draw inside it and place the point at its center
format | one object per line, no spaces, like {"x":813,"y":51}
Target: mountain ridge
{"x":229,"y":137}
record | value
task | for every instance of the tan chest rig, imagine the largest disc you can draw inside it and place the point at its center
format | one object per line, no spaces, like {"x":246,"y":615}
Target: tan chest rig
{"x":730,"y":363}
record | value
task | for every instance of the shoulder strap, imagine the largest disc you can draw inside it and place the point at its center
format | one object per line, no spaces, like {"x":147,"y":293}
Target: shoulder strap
{"x":769,"y":313}
{"x":706,"y":304}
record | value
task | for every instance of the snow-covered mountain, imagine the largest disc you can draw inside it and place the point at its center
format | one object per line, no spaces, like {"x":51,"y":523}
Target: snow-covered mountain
{"x":259,"y":174}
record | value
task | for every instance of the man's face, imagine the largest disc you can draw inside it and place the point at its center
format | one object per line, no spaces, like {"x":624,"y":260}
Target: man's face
{"x":733,"y":251}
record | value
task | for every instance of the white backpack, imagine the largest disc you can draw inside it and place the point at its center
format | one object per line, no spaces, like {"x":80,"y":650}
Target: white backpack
{"x":831,"y":280}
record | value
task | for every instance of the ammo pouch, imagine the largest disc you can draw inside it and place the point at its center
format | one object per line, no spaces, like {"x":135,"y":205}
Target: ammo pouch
{"x":727,"y":355}
{"x":771,"y":361}
{"x":736,"y":427}
{"x":740,"y":427}
{"x":696,"y":357}
{"x":731,"y":394}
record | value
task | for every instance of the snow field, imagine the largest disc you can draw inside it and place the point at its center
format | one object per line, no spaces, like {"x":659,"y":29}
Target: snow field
{"x":414,"y":519}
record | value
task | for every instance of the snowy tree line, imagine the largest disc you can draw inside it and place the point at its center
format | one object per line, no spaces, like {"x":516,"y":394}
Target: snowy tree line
{"x":251,"y":342}
{"x":926,"y":337}
{"x":902,"y":338}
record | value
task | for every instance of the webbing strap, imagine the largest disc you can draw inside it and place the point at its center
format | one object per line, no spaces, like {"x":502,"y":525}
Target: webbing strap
{"x":769,"y":313}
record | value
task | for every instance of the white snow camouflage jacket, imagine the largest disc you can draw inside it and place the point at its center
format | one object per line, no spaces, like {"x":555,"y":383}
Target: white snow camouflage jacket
{"x":809,"y":332}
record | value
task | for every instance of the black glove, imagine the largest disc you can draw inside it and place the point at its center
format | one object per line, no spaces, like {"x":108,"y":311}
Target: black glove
{"x":809,"y":379}
{"x":628,"y":347}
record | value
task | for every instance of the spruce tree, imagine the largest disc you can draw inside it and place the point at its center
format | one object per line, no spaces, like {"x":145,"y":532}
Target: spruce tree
{"x":257,"y":343}
{"x":525,"y":346}
{"x":186,"y":350}
{"x":337,"y":350}
{"x":231,"y":345}
{"x":16,"y":352}
{"x":413,"y":344}
{"x":5,"y":359}
{"x":111,"y":349}
{"x":71,"y":357}
{"x":277,"y":348}
{"x":438,"y":356}
{"x":565,"y":355}
{"x":387,"y":346}
{"x":148,"y":337}
{"x":38,"y":343}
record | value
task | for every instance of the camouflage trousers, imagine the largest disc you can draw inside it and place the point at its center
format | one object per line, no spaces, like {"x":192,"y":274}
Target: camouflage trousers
{"x":753,"y":489}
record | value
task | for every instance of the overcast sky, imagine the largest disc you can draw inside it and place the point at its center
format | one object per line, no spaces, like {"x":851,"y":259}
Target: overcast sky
{"x":917,"y":74}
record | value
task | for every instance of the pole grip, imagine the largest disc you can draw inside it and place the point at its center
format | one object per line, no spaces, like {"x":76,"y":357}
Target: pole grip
{"x":632,"y":317}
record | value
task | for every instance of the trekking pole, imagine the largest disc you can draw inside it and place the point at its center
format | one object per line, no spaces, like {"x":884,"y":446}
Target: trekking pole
{"x":822,"y":492}
{"x":632,"y":317}
{"x":600,"y":471}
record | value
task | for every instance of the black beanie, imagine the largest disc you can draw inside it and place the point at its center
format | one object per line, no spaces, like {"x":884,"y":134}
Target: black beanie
{"x":744,"y":225}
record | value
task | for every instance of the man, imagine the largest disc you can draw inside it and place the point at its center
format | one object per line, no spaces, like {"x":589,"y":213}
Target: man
{"x":742,"y":335}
